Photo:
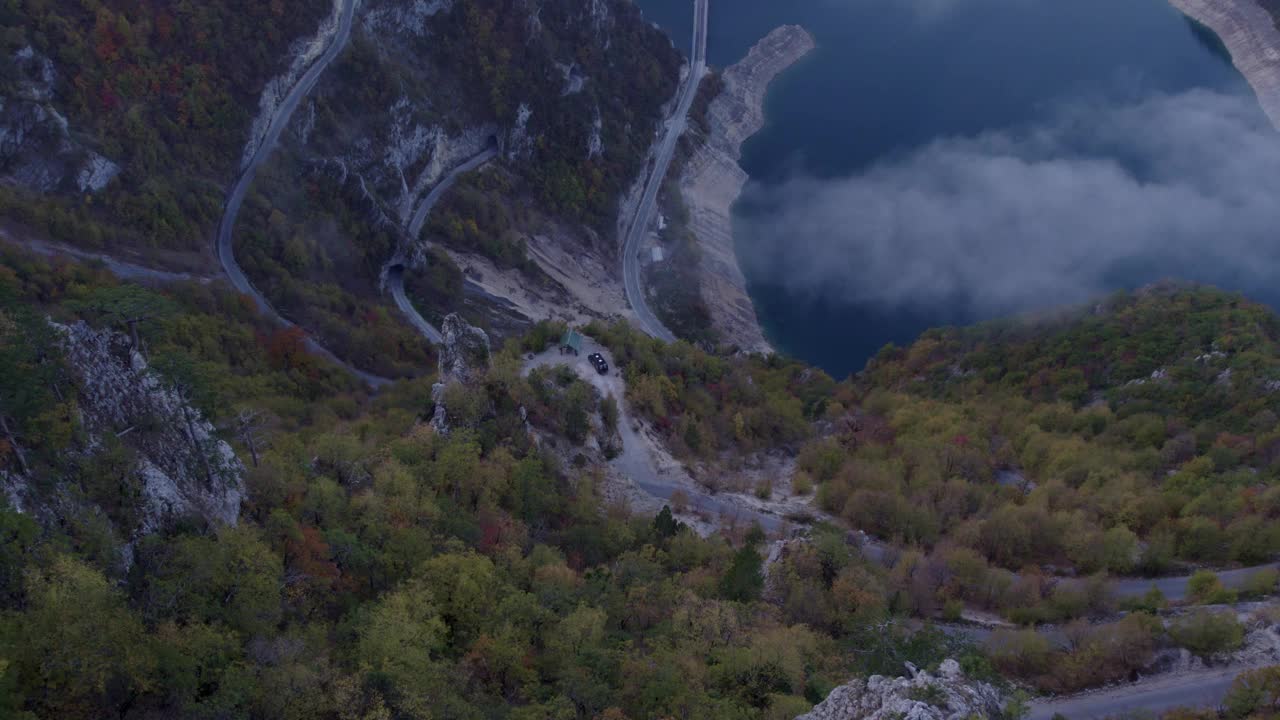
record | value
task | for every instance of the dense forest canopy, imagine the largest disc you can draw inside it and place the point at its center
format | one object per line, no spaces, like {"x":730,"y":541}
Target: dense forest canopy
{"x":165,"y":90}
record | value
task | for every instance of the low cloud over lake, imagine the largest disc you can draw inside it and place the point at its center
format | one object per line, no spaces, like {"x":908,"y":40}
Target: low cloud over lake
{"x":1181,"y":184}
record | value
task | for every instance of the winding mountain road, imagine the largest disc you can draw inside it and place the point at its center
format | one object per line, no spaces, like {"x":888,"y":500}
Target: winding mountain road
{"x":663,"y":153}
{"x":1177,"y":589}
{"x":395,"y":268}
{"x":283,"y":113}
{"x":429,"y":201}
{"x":122,"y":269}
{"x":1200,"y":690}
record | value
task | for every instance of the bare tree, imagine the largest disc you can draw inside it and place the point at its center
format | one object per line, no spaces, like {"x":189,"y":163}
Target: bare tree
{"x":128,"y":306}
{"x":251,"y":427}
{"x":12,"y":439}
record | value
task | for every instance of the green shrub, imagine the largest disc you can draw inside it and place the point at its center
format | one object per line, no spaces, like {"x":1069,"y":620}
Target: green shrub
{"x":1261,"y":583}
{"x":952,"y":610}
{"x":1206,"y":588}
{"x":1152,"y":602}
{"x":1207,"y":633}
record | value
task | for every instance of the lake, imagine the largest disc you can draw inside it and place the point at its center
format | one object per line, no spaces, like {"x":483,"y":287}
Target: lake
{"x":891,"y":79}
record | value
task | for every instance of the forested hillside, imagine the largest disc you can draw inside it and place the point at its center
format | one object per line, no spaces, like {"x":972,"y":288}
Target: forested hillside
{"x":382,"y":567}
{"x":567,"y":93}
{"x":378,"y":569}
{"x":165,"y":91}
{"x":1136,"y":436}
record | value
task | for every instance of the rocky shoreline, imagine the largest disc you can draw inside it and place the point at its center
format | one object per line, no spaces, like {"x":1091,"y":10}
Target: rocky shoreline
{"x":712,"y":181}
{"x":1251,"y":35}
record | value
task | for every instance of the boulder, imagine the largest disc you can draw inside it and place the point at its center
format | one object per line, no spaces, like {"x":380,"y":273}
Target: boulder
{"x":946,"y":695}
{"x":464,"y":354}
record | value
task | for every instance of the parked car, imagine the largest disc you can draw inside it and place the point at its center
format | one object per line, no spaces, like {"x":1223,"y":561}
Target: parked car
{"x":598,"y":361}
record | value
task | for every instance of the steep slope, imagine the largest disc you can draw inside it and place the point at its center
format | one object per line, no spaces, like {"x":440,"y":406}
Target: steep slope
{"x":173,"y":465}
{"x":150,"y":107}
{"x":568,"y":93}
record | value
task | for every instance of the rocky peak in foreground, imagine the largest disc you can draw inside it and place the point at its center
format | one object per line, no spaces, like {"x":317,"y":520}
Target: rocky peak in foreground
{"x":949,"y":695}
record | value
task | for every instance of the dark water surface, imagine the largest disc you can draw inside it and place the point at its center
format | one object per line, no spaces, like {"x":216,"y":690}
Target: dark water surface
{"x":890,"y":76}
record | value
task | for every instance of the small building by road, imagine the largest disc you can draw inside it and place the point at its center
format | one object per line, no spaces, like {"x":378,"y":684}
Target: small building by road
{"x":571,"y":343}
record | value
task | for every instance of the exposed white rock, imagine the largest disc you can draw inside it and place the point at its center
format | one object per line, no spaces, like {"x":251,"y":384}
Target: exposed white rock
{"x":574,"y":80}
{"x":400,"y":16}
{"x":1250,"y":34}
{"x":440,"y":416}
{"x":36,"y":75}
{"x":519,"y":144}
{"x":533,"y":26}
{"x":445,"y":153}
{"x":184,"y":468}
{"x":408,"y":142}
{"x":947,"y":696}
{"x":464,"y":354}
{"x":713,"y":181}
{"x":13,"y":486}
{"x":599,"y":15}
{"x":595,"y":144}
{"x":96,"y":173}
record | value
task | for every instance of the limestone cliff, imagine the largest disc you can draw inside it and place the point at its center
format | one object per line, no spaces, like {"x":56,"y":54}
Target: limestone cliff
{"x":177,"y":466}
{"x":1249,"y":31}
{"x":39,"y":150}
{"x":713,"y":180}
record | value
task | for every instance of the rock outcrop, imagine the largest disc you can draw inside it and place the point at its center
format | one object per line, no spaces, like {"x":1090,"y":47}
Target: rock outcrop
{"x":949,"y":695}
{"x":464,"y":358}
{"x":713,"y":180}
{"x":37,"y":148}
{"x":464,"y":355}
{"x":1249,"y":31}
{"x":181,"y":469}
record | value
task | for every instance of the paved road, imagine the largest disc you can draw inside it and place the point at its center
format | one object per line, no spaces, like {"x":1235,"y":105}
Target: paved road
{"x":1176,"y":588}
{"x":122,"y":269}
{"x":226,"y":251}
{"x":428,"y":202}
{"x":395,"y":278}
{"x":638,"y":461}
{"x":663,"y":153}
{"x":1203,"y":689}
{"x":395,"y":268}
